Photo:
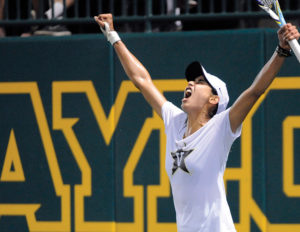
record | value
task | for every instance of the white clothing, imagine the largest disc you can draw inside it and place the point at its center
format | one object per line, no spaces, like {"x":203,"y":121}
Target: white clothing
{"x":57,"y":10}
{"x":195,"y":166}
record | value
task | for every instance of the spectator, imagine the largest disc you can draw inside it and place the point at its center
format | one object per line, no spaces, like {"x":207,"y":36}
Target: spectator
{"x":54,"y":12}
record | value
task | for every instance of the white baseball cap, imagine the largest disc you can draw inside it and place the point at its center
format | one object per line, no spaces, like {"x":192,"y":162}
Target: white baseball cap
{"x":195,"y":69}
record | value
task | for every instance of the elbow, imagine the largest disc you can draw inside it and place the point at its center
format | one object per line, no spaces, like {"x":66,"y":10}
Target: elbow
{"x":140,"y":82}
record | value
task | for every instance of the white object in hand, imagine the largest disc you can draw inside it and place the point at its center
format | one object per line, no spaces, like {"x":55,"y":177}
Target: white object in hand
{"x":112,"y":36}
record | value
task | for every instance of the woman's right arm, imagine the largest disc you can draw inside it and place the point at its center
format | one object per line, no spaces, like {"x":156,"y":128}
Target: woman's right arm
{"x":134,"y":69}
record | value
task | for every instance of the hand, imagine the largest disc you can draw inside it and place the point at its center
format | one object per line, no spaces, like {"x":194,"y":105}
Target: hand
{"x":286,"y":33}
{"x":102,"y":18}
{"x":105,"y":21}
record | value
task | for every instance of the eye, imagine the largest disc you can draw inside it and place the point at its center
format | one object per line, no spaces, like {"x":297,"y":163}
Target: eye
{"x":199,"y":81}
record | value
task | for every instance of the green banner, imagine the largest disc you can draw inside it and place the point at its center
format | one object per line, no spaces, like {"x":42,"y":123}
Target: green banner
{"x":81,"y":150}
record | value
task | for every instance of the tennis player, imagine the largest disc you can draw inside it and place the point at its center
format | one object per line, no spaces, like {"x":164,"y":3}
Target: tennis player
{"x":200,"y":134}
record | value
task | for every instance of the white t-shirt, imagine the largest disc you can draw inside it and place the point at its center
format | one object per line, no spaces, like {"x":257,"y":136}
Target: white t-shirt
{"x":195,"y":166}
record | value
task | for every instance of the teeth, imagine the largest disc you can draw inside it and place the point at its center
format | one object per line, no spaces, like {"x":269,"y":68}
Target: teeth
{"x":188,"y":93}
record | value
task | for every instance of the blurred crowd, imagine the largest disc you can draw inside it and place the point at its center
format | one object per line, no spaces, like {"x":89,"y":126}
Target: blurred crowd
{"x":60,"y":9}
{"x":38,"y":9}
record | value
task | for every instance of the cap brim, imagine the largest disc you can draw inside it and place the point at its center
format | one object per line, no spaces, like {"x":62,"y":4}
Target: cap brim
{"x":195,"y":70}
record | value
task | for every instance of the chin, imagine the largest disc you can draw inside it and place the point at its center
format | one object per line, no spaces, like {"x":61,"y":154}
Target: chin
{"x":184,"y":107}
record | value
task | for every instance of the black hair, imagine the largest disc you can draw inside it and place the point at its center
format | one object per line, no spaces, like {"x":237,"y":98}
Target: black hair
{"x":214,"y":111}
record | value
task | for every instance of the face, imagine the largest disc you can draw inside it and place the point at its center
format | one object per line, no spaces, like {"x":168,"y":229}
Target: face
{"x":196,"y":95}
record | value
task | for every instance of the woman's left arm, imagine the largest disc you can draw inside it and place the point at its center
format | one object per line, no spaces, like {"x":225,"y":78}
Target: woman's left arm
{"x":263,"y":80}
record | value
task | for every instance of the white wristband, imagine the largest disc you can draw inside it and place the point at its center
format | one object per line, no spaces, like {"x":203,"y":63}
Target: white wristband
{"x":112,"y":36}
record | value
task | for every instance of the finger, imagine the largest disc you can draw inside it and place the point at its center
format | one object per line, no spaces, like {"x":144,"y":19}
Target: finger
{"x":285,"y":35}
{"x":104,"y":16}
{"x":291,"y":34}
{"x":288,"y":25}
{"x":96,"y":19}
{"x":294,"y":35}
{"x":289,"y":37}
{"x":100,"y":22}
{"x":100,"y":16}
{"x":292,"y":30}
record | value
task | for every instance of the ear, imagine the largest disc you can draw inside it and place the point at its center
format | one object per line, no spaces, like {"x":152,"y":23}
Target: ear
{"x":214,"y":99}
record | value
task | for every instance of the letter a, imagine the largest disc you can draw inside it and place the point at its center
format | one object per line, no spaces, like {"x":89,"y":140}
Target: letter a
{"x":12,"y":167}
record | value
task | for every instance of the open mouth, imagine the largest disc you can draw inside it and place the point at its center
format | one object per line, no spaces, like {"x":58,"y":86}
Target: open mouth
{"x":187,"y":92}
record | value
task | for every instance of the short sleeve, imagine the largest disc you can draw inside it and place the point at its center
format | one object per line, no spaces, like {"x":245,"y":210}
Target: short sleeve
{"x":237,"y":133}
{"x":226,"y":135}
{"x":169,"y":112}
{"x":224,"y":125}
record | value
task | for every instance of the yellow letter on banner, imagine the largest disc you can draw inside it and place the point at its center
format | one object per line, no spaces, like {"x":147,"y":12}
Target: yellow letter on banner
{"x":12,"y":159}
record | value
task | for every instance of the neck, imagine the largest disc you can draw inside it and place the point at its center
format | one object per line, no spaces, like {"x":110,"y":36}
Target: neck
{"x":195,"y":122}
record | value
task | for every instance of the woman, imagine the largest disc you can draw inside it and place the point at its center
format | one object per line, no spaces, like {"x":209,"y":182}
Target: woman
{"x":199,"y":135}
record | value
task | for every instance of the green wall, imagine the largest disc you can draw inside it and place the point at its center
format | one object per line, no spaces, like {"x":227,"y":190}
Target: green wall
{"x":80,"y":150}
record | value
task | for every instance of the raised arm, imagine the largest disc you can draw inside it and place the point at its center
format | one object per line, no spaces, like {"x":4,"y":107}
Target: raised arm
{"x":136,"y":72}
{"x":247,"y":99}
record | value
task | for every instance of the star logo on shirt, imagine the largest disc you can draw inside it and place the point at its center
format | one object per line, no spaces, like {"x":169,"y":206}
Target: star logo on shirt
{"x":179,"y":157}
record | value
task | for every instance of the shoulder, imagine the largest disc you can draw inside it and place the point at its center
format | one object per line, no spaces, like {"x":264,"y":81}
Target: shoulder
{"x":169,"y":108}
{"x":223,"y":116}
{"x":223,"y":120}
{"x":172,"y":114}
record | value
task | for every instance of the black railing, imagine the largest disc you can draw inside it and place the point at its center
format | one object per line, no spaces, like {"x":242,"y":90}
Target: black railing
{"x":147,"y":13}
